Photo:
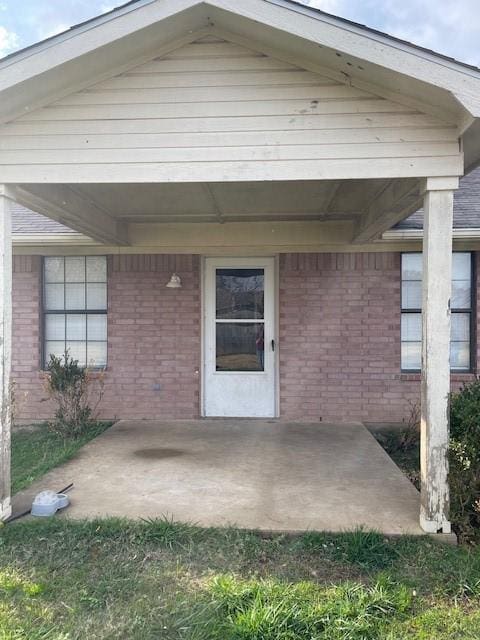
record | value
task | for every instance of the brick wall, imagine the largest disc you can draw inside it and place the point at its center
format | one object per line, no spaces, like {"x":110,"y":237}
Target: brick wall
{"x":340,"y":338}
{"x":26,"y":347}
{"x":153,"y":338}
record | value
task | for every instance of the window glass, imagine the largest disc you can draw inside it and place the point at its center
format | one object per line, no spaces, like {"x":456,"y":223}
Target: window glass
{"x":411,"y":355}
{"x":97,"y":327}
{"x":240,"y":346}
{"x":75,"y":269}
{"x":96,"y":296}
{"x":54,"y":295}
{"x":73,"y":287}
{"x":461,"y":304}
{"x":54,"y":269}
{"x":96,"y":269}
{"x":412,"y":294}
{"x":412,"y":266}
{"x":240,"y":293}
{"x":55,"y":327}
{"x":74,"y":296}
{"x":412,"y":327}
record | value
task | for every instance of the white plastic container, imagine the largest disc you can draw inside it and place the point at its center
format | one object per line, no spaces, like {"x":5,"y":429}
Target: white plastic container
{"x":47,"y":503}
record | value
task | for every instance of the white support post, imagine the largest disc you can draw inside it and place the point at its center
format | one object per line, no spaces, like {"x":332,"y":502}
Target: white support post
{"x":437,"y":279}
{"x":5,"y":349}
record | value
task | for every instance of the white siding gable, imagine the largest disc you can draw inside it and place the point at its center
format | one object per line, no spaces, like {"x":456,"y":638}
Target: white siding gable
{"x":214,"y":110}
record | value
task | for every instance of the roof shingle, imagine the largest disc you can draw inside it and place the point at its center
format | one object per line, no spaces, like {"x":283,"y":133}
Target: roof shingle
{"x":26,"y":222}
{"x":466,"y":207}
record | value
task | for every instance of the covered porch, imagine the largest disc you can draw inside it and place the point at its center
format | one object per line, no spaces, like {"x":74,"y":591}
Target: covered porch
{"x":254,"y":474}
{"x":243,"y":129}
{"x":356,"y":229}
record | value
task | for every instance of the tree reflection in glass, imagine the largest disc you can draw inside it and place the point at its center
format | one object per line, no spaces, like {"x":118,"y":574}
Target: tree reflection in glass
{"x":240,"y":340}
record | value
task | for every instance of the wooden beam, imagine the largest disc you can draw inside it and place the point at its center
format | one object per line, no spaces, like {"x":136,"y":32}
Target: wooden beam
{"x":258,"y":169}
{"x":394,"y":203}
{"x":69,"y":207}
{"x":216,"y":207}
{"x":437,"y":277}
{"x":5,"y":349}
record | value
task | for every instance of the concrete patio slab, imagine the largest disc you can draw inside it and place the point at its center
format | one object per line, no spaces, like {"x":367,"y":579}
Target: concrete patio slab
{"x":262,"y":474}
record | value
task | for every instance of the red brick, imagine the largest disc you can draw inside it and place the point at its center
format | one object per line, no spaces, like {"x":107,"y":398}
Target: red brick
{"x":339,"y":317}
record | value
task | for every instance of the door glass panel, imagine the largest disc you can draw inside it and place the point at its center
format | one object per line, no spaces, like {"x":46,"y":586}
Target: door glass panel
{"x":240,"y":294}
{"x":240,"y":346}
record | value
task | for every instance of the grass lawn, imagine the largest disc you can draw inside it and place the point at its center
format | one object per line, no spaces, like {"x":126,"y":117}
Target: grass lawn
{"x":160,"y":580}
{"x":37,"y":450}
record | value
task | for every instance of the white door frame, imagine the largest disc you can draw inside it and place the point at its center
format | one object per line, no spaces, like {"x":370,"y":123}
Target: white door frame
{"x":247,"y":261}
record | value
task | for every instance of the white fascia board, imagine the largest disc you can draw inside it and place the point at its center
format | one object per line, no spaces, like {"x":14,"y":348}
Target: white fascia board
{"x":328,"y":31}
{"x":79,"y":40}
{"x":284,"y":16}
{"x":377,"y":36}
{"x":395,"y":235}
{"x":49,"y":239}
{"x":92,"y":52}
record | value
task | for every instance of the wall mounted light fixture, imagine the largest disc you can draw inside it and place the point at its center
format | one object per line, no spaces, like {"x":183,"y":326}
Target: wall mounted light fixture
{"x":175,"y":282}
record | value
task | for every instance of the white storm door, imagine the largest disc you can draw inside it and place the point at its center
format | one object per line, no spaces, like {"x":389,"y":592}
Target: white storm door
{"x":240,"y":349}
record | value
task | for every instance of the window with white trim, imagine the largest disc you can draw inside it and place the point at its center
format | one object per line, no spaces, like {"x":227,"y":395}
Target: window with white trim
{"x":461,"y":303}
{"x":75,"y":309}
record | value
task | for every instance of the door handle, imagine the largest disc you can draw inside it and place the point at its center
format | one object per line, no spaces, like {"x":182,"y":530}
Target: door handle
{"x":273,"y":345}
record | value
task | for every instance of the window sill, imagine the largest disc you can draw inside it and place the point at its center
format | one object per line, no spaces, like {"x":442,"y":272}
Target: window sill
{"x":455,"y":376}
{"x":94,"y":373}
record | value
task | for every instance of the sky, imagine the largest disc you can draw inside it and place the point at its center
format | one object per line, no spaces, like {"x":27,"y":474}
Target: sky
{"x":451,"y":27}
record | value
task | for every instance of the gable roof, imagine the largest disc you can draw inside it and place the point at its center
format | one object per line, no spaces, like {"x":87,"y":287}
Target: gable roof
{"x":297,"y":5}
{"x":383,"y":34}
{"x":134,"y":30}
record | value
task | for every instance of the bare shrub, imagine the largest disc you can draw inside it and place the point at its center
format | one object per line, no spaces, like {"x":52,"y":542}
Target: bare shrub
{"x":77,"y":393}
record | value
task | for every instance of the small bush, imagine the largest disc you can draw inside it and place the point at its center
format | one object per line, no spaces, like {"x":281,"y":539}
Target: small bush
{"x":464,"y":460}
{"x":72,"y":388}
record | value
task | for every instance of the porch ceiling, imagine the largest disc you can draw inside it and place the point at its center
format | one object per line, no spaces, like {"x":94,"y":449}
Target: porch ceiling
{"x":105,"y":211}
{"x":227,"y":202}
